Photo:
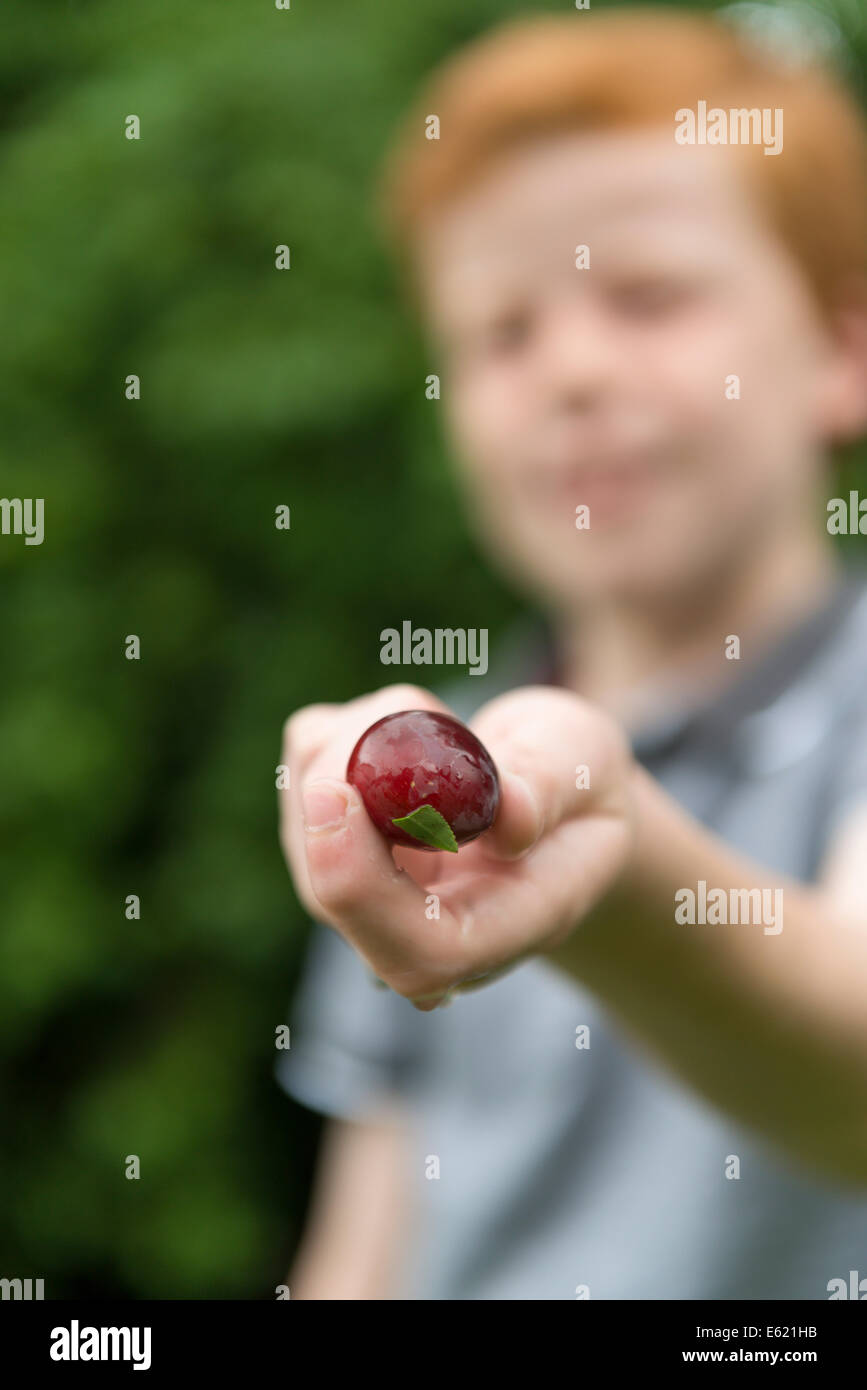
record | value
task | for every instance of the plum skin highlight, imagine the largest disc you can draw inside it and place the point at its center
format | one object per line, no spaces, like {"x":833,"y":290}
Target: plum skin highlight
{"x":421,"y":758}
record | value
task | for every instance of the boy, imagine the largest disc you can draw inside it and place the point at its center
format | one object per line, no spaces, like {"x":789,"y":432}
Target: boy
{"x":658,"y":1086}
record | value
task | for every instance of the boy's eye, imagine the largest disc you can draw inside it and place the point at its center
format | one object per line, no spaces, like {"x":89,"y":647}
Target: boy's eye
{"x":505,"y":333}
{"x":648,"y":297}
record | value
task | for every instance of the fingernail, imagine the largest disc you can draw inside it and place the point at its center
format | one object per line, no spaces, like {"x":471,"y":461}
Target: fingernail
{"x":532,"y":803}
{"x":324,"y":807}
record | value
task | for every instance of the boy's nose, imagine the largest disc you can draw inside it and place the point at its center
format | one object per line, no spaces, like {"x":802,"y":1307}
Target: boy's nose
{"x":578,"y":360}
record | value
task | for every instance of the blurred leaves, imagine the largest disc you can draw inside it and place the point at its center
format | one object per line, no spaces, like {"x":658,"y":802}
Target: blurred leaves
{"x":260,"y":388}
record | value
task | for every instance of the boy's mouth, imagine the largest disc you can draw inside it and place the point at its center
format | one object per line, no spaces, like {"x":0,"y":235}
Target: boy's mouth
{"x":611,"y":490}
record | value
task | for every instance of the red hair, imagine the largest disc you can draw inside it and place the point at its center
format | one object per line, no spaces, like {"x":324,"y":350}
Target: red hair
{"x":636,"y":67}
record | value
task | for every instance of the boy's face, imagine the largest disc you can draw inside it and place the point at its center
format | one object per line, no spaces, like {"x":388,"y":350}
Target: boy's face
{"x":607,"y":386}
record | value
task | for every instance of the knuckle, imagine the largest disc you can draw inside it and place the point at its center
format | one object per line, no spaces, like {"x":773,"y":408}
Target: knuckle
{"x":299,"y":727}
{"x":315,"y":909}
{"x":425,"y":976}
{"x":411,"y":696}
{"x":339,"y":891}
{"x":420,"y":985}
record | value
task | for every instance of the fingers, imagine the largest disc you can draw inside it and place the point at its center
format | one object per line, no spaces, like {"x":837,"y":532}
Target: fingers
{"x":345,"y":872}
{"x":520,"y":819}
{"x":558,"y":758}
{"x":422,"y":865}
{"x":317,"y":742}
{"x":327,"y":734}
{"x":561,"y":834}
{"x":377,"y":907}
{"x":527,"y":906}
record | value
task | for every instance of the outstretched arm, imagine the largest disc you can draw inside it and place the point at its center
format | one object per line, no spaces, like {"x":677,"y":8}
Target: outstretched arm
{"x":768,"y":1024}
{"x":767,"y":1019}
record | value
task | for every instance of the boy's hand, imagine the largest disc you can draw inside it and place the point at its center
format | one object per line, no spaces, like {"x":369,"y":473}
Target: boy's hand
{"x":520,"y":889}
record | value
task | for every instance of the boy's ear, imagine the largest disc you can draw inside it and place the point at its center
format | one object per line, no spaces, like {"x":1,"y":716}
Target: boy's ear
{"x":842,"y":402}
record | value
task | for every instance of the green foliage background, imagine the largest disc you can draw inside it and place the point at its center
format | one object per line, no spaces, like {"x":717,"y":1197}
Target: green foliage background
{"x":156,"y":777}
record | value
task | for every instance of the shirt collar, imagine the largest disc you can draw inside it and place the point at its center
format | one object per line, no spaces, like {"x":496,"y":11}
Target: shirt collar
{"x":762,"y":683}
